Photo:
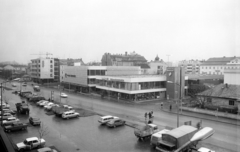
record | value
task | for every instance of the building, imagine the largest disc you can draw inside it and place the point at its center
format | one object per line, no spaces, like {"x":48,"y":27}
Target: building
{"x":157,"y":67}
{"x":218,"y":65}
{"x":132,"y":59}
{"x":45,"y":70}
{"x":71,"y":62}
{"x":223,"y":97}
{"x":190,"y":66}
{"x":83,"y":78}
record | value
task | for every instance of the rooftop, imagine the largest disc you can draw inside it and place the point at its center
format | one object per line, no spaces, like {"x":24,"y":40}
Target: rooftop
{"x":180,"y":131}
{"x":135,"y":76}
{"x":224,"y":91}
{"x":218,"y":61}
{"x":203,"y":76}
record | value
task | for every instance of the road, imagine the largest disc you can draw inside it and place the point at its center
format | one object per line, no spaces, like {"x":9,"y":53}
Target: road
{"x":226,"y":137}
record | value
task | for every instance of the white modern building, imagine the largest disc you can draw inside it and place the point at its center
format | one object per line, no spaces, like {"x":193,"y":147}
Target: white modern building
{"x":232,"y":72}
{"x":45,"y":70}
{"x":190,"y":66}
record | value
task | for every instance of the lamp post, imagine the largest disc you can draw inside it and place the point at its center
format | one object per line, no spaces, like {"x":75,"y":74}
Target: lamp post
{"x":180,"y":98}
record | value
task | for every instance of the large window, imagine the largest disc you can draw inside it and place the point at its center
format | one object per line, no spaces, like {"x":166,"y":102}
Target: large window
{"x":231,"y":102}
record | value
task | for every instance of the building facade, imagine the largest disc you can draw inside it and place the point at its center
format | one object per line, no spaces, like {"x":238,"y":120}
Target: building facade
{"x":45,"y":70}
{"x":190,"y":66}
{"x":218,"y":65}
{"x":132,"y":59}
{"x":157,"y":67}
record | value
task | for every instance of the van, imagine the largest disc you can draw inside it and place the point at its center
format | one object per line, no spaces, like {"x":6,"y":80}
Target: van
{"x":105,"y":119}
{"x":70,"y":114}
{"x":157,"y":137}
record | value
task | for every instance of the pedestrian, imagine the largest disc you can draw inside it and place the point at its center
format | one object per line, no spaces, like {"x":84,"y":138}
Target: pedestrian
{"x":149,"y":115}
{"x":145,"y":115}
{"x":161,"y":105}
{"x":170,"y":107}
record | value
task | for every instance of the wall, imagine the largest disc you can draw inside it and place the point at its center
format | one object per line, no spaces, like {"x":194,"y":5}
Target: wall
{"x":232,"y":76}
{"x":45,"y":69}
{"x":74,"y":74}
{"x":123,"y":70}
{"x":154,"y":67}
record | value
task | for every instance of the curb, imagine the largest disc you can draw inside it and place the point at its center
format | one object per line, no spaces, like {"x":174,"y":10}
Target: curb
{"x":216,"y":120}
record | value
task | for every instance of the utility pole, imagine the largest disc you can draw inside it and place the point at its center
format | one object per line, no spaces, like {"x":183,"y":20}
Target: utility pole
{"x":1,"y":106}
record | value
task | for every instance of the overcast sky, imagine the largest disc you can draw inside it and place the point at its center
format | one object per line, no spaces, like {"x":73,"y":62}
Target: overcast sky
{"x":183,"y":29}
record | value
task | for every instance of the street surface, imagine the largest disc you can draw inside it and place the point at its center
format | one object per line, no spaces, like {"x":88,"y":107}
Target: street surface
{"x":86,"y":134}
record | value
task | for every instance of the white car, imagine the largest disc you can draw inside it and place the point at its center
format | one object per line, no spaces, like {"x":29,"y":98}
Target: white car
{"x":46,"y":149}
{"x":63,"y":95}
{"x":70,"y":114}
{"x":43,"y":103}
{"x":9,"y":121}
{"x":30,"y":143}
{"x":48,"y":104}
{"x":203,"y":149}
{"x":40,"y":102}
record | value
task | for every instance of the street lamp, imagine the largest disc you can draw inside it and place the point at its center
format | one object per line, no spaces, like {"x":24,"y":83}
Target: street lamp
{"x":180,"y":98}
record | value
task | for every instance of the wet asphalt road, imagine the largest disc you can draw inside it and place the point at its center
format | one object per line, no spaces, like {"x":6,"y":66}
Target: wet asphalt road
{"x":78,"y":134}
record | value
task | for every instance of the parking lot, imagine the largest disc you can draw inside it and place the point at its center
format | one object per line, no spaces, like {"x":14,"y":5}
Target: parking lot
{"x":77,"y":134}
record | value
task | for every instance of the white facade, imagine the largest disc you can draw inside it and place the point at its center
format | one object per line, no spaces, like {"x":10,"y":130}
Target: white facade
{"x":156,"y":67}
{"x":190,"y":66}
{"x":232,"y":76}
{"x":219,"y":67}
{"x":42,"y":68}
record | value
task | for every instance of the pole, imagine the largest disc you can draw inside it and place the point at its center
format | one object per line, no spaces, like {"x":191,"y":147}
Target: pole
{"x":180,"y":96}
{"x":1,"y":107}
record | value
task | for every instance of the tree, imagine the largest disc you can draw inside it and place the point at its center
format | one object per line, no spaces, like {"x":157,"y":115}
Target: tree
{"x":42,"y":131}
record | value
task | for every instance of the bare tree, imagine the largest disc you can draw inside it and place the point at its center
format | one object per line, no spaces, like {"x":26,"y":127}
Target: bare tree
{"x":42,"y":131}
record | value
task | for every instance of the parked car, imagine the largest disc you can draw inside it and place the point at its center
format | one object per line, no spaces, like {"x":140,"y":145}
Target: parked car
{"x":34,"y":121}
{"x":115,"y":122}
{"x":36,"y":99}
{"x":70,"y":114}
{"x":10,"y":121}
{"x":46,"y":149}
{"x":36,"y":88}
{"x":30,"y":143}
{"x":5,"y":116}
{"x":63,"y":95}
{"x":48,"y":105}
{"x":42,"y":104}
{"x":15,"y":126}
{"x":103,"y":120}
{"x":41,"y":101}
{"x":8,"y":111}
{"x":24,"y":84}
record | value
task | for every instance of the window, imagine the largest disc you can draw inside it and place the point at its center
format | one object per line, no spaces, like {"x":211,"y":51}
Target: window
{"x":231,"y":102}
{"x":51,"y":66}
{"x":50,"y":75}
{"x":51,"y":70}
{"x":50,"y":61}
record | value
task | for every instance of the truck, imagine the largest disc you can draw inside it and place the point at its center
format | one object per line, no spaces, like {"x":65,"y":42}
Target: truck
{"x":58,"y":111}
{"x":30,"y":143}
{"x":146,"y":131}
{"x":15,"y":126}
{"x":156,"y":137}
{"x":22,"y":108}
{"x":176,"y":138}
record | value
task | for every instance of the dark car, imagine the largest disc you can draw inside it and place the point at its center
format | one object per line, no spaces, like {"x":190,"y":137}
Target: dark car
{"x":24,"y":93}
{"x":36,"y":99}
{"x":34,"y":121}
{"x":15,"y":126}
{"x":116,"y":122}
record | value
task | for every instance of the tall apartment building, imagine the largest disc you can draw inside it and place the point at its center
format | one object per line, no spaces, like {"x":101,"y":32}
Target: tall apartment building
{"x":190,"y":66}
{"x":217,"y":66}
{"x":45,"y":70}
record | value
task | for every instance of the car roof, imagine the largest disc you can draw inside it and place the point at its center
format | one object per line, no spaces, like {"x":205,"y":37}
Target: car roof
{"x":31,"y":138}
{"x":108,"y":116}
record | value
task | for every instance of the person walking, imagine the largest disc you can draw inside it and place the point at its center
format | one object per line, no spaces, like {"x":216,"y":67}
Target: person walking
{"x":170,"y":107}
{"x":145,"y":115}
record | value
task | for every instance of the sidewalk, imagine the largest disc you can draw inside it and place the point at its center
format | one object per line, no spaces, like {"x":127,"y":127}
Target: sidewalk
{"x":166,"y":108}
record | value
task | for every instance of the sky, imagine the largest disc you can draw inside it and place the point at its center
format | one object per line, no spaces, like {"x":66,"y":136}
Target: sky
{"x":178,"y":29}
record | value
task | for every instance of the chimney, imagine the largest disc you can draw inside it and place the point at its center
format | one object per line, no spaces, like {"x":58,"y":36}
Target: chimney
{"x":125,"y":53}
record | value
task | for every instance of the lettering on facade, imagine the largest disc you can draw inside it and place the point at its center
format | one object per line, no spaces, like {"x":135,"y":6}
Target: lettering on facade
{"x":68,"y":75}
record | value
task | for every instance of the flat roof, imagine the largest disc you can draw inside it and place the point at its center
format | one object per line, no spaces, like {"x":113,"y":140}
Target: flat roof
{"x":180,"y":131}
{"x":134,"y":76}
{"x":203,"y":76}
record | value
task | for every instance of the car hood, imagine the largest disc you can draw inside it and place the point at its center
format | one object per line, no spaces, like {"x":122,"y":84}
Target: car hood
{"x":21,"y":145}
